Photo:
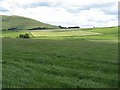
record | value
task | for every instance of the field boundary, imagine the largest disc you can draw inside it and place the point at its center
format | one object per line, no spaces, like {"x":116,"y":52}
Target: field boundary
{"x":1,"y":52}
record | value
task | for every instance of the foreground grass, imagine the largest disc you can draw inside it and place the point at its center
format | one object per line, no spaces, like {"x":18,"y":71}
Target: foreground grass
{"x":59,"y":63}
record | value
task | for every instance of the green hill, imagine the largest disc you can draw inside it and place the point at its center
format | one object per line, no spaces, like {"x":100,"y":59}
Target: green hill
{"x":22,"y":23}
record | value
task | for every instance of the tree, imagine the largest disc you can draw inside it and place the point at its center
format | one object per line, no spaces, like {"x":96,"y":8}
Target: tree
{"x":24,"y":36}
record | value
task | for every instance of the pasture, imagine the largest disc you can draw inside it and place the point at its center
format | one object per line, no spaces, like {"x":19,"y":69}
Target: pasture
{"x":108,"y":34}
{"x":85,"y":58}
{"x":61,"y":33}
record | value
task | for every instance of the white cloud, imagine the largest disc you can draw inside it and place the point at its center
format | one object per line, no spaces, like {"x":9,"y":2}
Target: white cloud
{"x":83,"y":13}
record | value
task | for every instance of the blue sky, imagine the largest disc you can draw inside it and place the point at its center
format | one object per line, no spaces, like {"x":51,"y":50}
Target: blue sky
{"x":83,"y":13}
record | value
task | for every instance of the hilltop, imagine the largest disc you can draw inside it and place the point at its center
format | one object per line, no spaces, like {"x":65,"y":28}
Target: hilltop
{"x":23,"y":23}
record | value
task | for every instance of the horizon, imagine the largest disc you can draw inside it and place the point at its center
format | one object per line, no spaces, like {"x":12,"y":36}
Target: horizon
{"x":67,"y":13}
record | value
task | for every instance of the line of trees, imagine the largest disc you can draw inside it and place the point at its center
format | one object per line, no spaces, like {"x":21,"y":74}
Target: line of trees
{"x":38,"y":28}
{"x":61,"y":27}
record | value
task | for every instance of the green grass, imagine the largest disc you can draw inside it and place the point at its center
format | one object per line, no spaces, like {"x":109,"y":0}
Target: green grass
{"x":107,"y":33}
{"x":13,"y":34}
{"x":62,"y":61}
{"x":59,"y":63}
{"x":88,"y":34}
{"x":62,"y":33}
{"x":22,"y":23}
{"x":110,"y":33}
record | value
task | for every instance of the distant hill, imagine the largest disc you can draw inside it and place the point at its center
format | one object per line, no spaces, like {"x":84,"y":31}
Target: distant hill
{"x":23,"y":23}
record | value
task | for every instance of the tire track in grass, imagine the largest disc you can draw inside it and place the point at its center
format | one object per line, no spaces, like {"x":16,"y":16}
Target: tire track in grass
{"x":31,"y":34}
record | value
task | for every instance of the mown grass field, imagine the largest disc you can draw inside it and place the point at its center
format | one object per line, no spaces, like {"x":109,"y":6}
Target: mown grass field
{"x":88,"y":61}
{"x":60,"y":33}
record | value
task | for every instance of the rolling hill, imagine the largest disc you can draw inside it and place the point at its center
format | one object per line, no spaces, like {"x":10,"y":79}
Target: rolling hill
{"x":22,"y":23}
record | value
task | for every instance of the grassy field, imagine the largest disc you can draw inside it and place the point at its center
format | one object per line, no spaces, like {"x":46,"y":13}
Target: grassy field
{"x":13,"y":34}
{"x":60,"y":33}
{"x":110,"y":33}
{"x":85,"y":61}
{"x":97,"y":34}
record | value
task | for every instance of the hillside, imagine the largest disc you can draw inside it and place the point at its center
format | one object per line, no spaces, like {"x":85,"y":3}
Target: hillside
{"x":22,"y":23}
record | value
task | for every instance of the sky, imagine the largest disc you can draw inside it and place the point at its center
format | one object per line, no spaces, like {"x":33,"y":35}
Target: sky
{"x":83,"y":13}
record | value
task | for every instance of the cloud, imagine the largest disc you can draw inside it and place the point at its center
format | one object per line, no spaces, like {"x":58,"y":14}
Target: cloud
{"x":83,"y":13}
{"x":3,"y":10}
{"x":37,"y":4}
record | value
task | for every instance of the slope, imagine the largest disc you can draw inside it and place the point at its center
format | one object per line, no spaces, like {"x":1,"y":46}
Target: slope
{"x":21,"y":23}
